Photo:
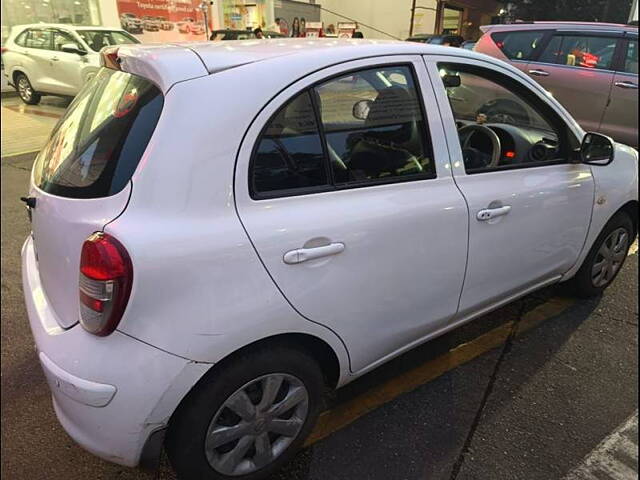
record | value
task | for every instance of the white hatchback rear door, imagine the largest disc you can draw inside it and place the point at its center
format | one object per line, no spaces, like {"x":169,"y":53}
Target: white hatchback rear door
{"x":344,"y":187}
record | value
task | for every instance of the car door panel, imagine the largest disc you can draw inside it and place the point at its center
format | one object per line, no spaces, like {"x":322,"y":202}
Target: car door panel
{"x":582,"y":90}
{"x":399,"y":274}
{"x":620,"y":119}
{"x":537,"y":238}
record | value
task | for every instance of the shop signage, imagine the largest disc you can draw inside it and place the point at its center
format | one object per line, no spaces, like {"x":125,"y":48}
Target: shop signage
{"x":314,"y":29}
{"x":162,"y":20}
{"x":345,"y":30}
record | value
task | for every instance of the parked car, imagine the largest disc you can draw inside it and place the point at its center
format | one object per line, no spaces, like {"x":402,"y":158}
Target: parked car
{"x":206,"y":304}
{"x":150,"y":24}
{"x":185,"y":25}
{"x":591,"y":68}
{"x":164,"y":23}
{"x":447,"y":40}
{"x":131,"y":23}
{"x":197,"y":28}
{"x":468,"y":44}
{"x":218,"y":35}
{"x":50,"y":59}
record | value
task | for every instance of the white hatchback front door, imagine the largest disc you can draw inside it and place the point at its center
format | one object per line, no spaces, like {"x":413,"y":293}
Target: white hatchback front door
{"x":529,"y":206}
{"x":343,"y":186}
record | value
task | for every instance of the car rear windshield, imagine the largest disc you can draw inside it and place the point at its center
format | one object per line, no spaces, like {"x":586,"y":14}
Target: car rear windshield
{"x":96,"y":146}
{"x":96,"y":39}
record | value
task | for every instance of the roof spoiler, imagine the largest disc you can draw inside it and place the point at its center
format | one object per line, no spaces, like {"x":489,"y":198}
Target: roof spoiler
{"x":485,"y":28}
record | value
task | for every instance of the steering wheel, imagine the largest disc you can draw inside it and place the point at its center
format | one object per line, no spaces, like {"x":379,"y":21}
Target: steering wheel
{"x":468,"y":131}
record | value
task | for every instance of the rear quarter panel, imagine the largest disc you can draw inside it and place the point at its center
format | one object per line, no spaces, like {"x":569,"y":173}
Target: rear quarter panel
{"x":200,"y":291}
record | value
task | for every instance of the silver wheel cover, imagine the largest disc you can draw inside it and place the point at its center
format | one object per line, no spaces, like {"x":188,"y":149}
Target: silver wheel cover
{"x":256,"y":424}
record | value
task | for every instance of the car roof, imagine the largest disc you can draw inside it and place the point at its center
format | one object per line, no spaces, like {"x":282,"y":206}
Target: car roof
{"x":166,"y":64}
{"x":547,"y":24}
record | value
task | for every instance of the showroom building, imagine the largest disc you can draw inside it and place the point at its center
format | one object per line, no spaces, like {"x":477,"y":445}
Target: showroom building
{"x":184,"y":19}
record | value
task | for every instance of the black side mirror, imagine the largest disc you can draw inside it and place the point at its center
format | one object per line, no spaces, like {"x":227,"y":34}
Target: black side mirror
{"x":451,"y":80}
{"x":73,"y":48}
{"x":596,"y":149}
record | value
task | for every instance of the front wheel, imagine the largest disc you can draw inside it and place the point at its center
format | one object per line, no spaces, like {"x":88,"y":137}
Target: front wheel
{"x":606,"y":257}
{"x":247,"y":418}
{"x":26,"y":91}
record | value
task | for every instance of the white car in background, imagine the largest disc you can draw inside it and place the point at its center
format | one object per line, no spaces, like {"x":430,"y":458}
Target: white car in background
{"x":186,"y":25}
{"x":344,"y":212}
{"x":50,"y":59}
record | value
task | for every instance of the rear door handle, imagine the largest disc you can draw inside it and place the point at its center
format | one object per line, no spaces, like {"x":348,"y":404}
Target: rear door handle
{"x":539,"y":73}
{"x":630,"y":85}
{"x":489,"y":213}
{"x":54,"y":59}
{"x":304,"y":254}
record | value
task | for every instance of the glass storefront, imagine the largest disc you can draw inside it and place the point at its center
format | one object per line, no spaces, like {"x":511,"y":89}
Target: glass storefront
{"x":77,"y":12}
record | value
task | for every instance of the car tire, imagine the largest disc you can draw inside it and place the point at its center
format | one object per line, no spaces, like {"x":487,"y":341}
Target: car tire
{"x":195,"y":451}
{"x":26,"y":92}
{"x":600,"y":268}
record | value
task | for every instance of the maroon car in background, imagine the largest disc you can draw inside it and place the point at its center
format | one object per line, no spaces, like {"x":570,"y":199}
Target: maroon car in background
{"x":591,"y":68}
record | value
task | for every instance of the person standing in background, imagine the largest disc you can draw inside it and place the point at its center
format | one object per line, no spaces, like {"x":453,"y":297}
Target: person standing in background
{"x":303,"y":27}
{"x":295,"y":27}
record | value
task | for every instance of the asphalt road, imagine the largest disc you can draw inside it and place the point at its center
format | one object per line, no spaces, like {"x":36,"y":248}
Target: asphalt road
{"x":525,"y":392}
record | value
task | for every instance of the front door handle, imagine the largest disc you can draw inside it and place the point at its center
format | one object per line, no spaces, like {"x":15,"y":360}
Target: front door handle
{"x":539,"y":73}
{"x":489,"y":213}
{"x":300,"y":255}
{"x":54,"y":59}
{"x":630,"y":85}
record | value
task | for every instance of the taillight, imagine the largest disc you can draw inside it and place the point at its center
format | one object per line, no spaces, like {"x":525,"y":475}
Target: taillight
{"x":109,"y":58}
{"x":106,"y":275}
{"x":4,"y":50}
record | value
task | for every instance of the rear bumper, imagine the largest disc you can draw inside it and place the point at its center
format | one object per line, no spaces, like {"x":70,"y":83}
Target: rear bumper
{"x":109,"y":393}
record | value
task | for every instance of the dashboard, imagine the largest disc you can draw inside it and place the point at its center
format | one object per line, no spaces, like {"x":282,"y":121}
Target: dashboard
{"x":519,"y":145}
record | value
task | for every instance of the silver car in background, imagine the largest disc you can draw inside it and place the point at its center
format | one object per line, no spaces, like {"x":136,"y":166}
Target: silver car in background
{"x":52,"y":59}
{"x":591,"y":68}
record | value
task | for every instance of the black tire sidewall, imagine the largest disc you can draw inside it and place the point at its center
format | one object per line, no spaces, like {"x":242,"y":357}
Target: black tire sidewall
{"x":35,"y":97}
{"x":189,"y":424}
{"x":582,"y":282}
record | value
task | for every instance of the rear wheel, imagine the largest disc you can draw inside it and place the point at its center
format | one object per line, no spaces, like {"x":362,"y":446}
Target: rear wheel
{"x":246,"y":418}
{"x":26,"y":91}
{"x":606,"y":257}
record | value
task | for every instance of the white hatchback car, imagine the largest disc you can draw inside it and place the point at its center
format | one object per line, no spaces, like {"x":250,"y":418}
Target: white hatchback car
{"x":51,"y":59}
{"x":220,"y":233}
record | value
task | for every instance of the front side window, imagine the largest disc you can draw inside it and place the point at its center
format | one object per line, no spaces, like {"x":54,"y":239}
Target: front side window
{"x":96,"y":39}
{"x":41,"y":39}
{"x":518,"y":45}
{"x":374,"y":126}
{"x":631,"y":58}
{"x":358,"y":129}
{"x":63,"y":38}
{"x":500,"y":123}
{"x":580,"y":51}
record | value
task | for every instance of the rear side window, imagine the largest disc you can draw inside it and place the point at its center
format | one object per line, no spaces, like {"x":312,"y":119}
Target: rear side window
{"x":97,"y":145}
{"x":518,"y":45}
{"x":580,"y":51}
{"x":21,"y":39}
{"x":289,"y":155}
{"x":363,"y":128}
{"x":41,"y":39}
{"x":374,"y":126}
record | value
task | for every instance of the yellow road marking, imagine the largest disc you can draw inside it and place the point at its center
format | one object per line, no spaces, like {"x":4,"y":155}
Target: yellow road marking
{"x":634,"y":248}
{"x":339,"y":417}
